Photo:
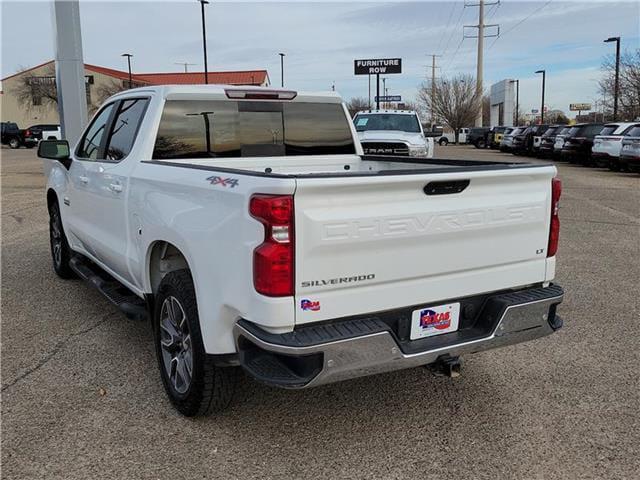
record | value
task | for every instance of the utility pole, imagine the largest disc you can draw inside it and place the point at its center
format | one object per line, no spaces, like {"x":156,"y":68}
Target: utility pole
{"x":185,"y":64}
{"x":433,"y":84}
{"x":480,"y":60}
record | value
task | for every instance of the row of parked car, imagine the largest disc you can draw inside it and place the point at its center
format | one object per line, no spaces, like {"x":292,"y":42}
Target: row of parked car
{"x":614,"y":145}
{"x":15,"y":137}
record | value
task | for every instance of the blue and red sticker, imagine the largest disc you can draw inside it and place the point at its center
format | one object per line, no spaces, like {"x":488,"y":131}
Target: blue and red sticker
{"x":309,"y":305}
{"x":437,"y":320}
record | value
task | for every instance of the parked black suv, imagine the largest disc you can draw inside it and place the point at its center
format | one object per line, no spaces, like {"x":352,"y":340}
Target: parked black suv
{"x":547,"y":140}
{"x":478,"y":137}
{"x":578,"y":143}
{"x":11,"y":135}
{"x":523,"y":142}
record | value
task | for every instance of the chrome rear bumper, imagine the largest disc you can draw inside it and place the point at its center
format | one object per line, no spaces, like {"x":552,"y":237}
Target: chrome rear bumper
{"x":368,"y":354}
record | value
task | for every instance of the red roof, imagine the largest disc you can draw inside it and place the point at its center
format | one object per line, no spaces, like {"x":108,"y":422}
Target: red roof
{"x":247,"y":77}
{"x":243,"y":77}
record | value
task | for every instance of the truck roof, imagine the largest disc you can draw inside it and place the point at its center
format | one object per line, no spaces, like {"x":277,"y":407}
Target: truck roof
{"x":220,"y":92}
{"x":374,"y":112}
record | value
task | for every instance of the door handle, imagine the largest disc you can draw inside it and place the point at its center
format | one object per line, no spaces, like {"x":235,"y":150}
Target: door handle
{"x":115,"y":187}
{"x":84,"y":179}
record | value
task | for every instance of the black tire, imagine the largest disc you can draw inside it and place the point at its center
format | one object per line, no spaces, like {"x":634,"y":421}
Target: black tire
{"x":443,"y":142}
{"x":480,"y":143}
{"x":177,"y":337}
{"x":60,"y":250}
{"x":14,"y":143}
{"x":614,"y":166}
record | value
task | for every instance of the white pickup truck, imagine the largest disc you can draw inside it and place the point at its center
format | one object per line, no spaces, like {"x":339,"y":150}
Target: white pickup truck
{"x":251,"y":230}
{"x":392,"y":132}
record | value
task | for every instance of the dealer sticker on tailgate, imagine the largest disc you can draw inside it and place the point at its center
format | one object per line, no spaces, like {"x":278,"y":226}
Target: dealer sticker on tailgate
{"x":427,"y":322}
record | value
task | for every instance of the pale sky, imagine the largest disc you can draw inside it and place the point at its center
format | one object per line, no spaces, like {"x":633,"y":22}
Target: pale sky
{"x":321,"y":40}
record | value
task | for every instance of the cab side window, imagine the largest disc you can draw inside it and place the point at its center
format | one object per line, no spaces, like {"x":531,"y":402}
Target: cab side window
{"x":124,"y":129}
{"x":89,"y":147}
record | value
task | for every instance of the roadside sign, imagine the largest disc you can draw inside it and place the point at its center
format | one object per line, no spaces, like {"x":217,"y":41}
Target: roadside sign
{"x":389,"y":98}
{"x":382,"y":66}
{"x":577,"y":107}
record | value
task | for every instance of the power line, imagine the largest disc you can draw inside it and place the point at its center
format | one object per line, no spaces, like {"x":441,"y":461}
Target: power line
{"x":453,"y":9}
{"x":520,"y":22}
{"x":493,"y":10}
{"x":452,"y":58}
{"x":454,"y":29}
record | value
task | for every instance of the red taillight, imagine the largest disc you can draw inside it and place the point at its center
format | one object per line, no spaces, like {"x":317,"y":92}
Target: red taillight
{"x":27,"y":133}
{"x":554,"y":231}
{"x":273,"y":260}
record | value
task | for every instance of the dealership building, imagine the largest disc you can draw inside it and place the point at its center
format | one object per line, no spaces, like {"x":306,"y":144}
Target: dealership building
{"x":24,"y":98}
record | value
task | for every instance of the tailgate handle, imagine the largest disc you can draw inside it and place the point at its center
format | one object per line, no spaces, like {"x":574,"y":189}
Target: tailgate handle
{"x":445,"y":187}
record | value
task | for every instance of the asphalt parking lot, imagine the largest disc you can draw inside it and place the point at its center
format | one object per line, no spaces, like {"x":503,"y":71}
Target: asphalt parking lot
{"x":82,"y":398}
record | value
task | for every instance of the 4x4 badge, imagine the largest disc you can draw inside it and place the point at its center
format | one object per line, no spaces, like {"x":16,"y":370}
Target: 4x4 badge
{"x":225,"y":182}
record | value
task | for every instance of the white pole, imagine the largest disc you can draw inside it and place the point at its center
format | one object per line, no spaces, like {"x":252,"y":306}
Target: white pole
{"x":70,"y":81}
{"x":480,"y":60}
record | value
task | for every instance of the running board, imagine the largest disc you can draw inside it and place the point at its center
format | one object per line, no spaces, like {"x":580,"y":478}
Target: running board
{"x":129,"y":303}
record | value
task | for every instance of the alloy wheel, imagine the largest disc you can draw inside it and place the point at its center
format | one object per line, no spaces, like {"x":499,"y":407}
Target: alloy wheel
{"x":56,"y":237}
{"x":175,"y":340}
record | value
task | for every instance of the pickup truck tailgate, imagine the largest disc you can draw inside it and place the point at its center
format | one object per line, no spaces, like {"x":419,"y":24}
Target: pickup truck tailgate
{"x":371,"y":243}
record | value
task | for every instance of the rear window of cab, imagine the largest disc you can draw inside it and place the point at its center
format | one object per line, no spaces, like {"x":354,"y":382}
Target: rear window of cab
{"x":230,"y":129}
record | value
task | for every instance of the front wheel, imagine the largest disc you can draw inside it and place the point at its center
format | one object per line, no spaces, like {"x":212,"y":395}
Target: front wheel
{"x":443,"y":142}
{"x":60,"y":250}
{"x":193,"y":383}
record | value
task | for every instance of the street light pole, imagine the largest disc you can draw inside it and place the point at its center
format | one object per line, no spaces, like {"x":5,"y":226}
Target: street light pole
{"x":281,"y":69}
{"x":128,"y":55}
{"x":616,"y":85}
{"x":544,"y":74}
{"x":204,"y":41}
{"x":517,"y":82}
{"x":384,"y":91}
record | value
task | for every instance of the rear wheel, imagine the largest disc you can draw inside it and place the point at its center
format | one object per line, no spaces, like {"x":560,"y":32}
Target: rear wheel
{"x":480,"y":143}
{"x":60,"y":251}
{"x":14,"y":143}
{"x":194,"y":384}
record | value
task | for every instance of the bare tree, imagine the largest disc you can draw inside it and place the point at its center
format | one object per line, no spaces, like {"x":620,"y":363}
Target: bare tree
{"x":416,"y":107}
{"x":357,"y":104}
{"x":454,"y":101}
{"x":629,"y":85}
{"x":39,"y":91}
{"x":106,"y":90}
{"x":556,"y":117}
{"x":36,"y":91}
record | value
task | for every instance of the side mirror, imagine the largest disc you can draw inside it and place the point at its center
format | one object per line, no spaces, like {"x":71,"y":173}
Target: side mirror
{"x":55,"y":150}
